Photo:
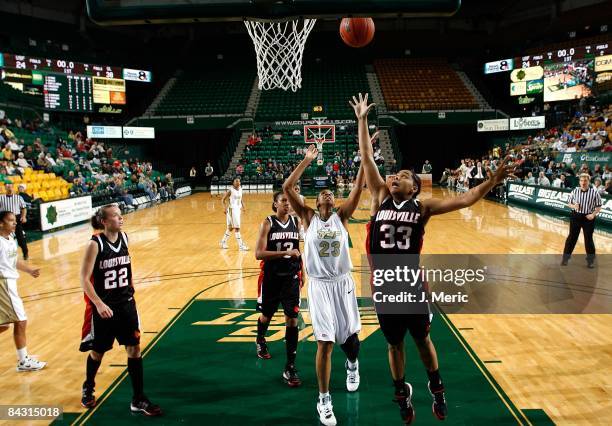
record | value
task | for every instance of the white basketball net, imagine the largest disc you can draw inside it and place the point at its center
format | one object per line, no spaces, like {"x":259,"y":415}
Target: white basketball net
{"x":279,"y":47}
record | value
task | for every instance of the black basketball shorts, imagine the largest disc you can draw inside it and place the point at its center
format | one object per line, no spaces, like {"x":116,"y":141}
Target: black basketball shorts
{"x":101,"y":333}
{"x":274,"y":290}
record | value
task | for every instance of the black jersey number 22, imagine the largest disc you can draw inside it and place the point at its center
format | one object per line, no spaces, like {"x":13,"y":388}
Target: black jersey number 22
{"x":111,"y":281}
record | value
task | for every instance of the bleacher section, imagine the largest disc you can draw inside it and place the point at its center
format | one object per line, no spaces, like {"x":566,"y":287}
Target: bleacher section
{"x":422,"y":84}
{"x":223,"y":92}
{"x":281,"y":145}
{"x":45,"y":186}
{"x":329,"y":86}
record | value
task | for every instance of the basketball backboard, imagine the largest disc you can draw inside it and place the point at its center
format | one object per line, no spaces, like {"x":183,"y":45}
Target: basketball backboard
{"x":122,"y":12}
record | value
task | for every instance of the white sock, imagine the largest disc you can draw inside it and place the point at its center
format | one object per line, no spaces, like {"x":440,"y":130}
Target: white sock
{"x":324,"y":396}
{"x":352,"y":366}
{"x":239,"y":239}
{"x":22,"y":354}
{"x":225,"y":237}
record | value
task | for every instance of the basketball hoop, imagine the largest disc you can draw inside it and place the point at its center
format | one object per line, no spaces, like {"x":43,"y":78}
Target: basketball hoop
{"x":279,"y":47}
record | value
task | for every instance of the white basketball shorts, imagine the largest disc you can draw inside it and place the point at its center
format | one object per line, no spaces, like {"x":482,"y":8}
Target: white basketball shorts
{"x":333,"y":308}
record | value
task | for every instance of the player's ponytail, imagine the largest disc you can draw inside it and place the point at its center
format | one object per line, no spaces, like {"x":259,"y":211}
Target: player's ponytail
{"x":96,"y":219}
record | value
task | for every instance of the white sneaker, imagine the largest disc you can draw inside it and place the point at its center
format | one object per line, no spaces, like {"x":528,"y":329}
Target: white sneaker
{"x":352,"y":377}
{"x":244,"y":248}
{"x":223,"y":244}
{"x":30,"y":364}
{"x":326,"y":412}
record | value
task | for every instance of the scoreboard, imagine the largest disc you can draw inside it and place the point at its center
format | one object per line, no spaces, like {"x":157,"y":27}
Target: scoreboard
{"x":66,"y":85}
{"x":563,"y":55}
{"x":62,"y":66}
{"x":67,"y":92}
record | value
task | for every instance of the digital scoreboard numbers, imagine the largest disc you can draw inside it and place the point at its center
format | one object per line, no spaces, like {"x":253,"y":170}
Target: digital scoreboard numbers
{"x":563,"y":55}
{"x":63,"y":66}
{"x":67,"y":92}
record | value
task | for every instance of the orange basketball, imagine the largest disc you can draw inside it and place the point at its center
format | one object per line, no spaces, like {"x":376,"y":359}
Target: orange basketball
{"x":357,"y":32}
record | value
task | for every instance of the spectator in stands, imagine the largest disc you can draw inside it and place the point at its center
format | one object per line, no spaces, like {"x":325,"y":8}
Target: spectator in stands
{"x":530,"y":179}
{"x":607,"y":174}
{"x":609,"y":186}
{"x":559,"y":181}
{"x":29,"y":154}
{"x":543,"y":180}
{"x":239,"y":169}
{"x":21,"y":190}
{"x":126,"y":197}
{"x":21,"y":162}
{"x":426,"y":169}
{"x":601,"y":190}
{"x":13,"y":146}
{"x":6,"y":153}
{"x":253,"y":140}
{"x":50,"y":160}
{"x":41,"y":162}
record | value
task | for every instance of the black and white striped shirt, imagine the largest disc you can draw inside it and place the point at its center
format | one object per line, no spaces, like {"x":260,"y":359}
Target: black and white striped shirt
{"x":12,"y":203}
{"x":587,"y":200}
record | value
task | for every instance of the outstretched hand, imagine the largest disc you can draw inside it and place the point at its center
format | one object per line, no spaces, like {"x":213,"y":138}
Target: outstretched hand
{"x":361,"y":107}
{"x":502,"y":172}
{"x":311,"y":153}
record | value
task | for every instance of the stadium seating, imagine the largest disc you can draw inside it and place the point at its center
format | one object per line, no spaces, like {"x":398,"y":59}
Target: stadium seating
{"x":422,"y":84}
{"x":328,"y":86}
{"x":225,"y":92}
{"x":45,"y":186}
{"x":280,"y":145}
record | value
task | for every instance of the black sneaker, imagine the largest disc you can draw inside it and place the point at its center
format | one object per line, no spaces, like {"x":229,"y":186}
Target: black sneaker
{"x":404,"y":400}
{"x":146,"y":407}
{"x":262,"y":349}
{"x":439,"y":402}
{"x":88,"y":400}
{"x":290,"y":375}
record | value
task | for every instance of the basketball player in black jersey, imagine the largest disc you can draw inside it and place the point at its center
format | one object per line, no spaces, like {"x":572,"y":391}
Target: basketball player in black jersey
{"x":397,"y":227}
{"x":280,"y":280}
{"x":110,"y":313}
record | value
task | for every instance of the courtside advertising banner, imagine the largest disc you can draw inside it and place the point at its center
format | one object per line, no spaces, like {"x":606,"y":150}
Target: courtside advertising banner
{"x":603,"y":63}
{"x":499,"y":66}
{"x":496,"y":125}
{"x":64,"y":212}
{"x":104,"y":132}
{"x":553,"y":199}
{"x":527,"y":123}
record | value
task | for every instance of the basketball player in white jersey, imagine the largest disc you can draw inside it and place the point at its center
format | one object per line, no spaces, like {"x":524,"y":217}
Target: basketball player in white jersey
{"x":232,"y":214}
{"x":396,"y":231}
{"x":331,"y":289}
{"x":11,"y":305}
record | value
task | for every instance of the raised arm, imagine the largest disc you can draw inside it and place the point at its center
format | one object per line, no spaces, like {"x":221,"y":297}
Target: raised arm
{"x":262,"y":254}
{"x":434,"y":206}
{"x":346,"y":210}
{"x":302,"y":210}
{"x":376,"y":184}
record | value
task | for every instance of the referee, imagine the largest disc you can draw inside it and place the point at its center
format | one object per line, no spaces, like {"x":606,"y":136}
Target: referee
{"x":14,"y":203}
{"x":585,"y":203}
